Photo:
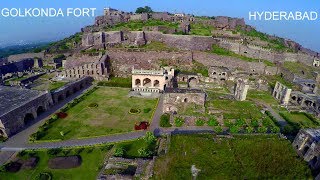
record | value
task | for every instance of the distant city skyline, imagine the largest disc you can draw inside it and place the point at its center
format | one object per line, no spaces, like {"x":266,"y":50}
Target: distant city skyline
{"x":28,"y":30}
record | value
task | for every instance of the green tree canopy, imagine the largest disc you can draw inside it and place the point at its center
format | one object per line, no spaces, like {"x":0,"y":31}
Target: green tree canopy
{"x":145,"y":9}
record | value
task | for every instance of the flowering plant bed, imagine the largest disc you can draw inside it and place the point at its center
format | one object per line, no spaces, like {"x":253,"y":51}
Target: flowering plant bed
{"x":142,"y":125}
{"x":134,"y":111}
{"x":62,"y":115}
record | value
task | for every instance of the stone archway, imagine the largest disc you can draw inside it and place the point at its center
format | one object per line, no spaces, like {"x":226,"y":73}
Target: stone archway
{"x":68,"y":93}
{"x":156,"y":83}
{"x":192,"y":82}
{"x":147,"y":82}
{"x":40,"y":110}
{"x":60,"y":98}
{"x":28,"y":118}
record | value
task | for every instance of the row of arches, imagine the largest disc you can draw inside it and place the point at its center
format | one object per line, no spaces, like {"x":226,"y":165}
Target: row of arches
{"x":30,"y":117}
{"x":302,"y":101}
{"x":147,"y":83}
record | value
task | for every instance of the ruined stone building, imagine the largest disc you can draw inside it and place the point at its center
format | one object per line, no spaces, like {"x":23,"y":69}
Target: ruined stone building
{"x":219,"y":73}
{"x":175,"y":98}
{"x":98,"y":69}
{"x":20,"y":107}
{"x":241,"y":90}
{"x":307,"y":145}
{"x":282,"y":93}
{"x":191,"y":79}
{"x":151,"y":80}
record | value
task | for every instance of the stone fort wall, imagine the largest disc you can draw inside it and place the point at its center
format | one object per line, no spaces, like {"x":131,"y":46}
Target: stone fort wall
{"x":194,"y":43}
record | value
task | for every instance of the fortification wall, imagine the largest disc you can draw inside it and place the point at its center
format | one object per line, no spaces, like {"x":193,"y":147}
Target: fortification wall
{"x":122,"y":61}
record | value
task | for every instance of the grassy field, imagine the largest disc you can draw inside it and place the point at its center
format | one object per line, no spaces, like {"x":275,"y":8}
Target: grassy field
{"x":244,"y":157}
{"x":298,"y":118}
{"x":300,"y":69}
{"x":262,"y":96}
{"x":110,"y":117}
{"x":92,"y":159}
{"x":236,"y":109}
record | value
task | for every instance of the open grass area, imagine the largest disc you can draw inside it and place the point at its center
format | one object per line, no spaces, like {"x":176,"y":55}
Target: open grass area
{"x":300,"y":69}
{"x":273,"y":79}
{"x":300,"y":119}
{"x":262,"y":96}
{"x":243,"y":157}
{"x":201,"y":30}
{"x":92,"y":160}
{"x":110,"y":116}
{"x":138,"y":25}
{"x":236,"y":109}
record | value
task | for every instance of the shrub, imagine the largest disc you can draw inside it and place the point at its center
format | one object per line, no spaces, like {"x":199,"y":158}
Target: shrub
{"x":44,"y":176}
{"x":147,"y":110}
{"x":254,"y":123}
{"x":54,"y":151}
{"x":218,"y":129}
{"x":249,"y":129}
{"x":119,"y":152}
{"x":228,"y":123}
{"x":149,"y":138}
{"x":275,"y":129}
{"x":93,"y":105}
{"x":234,"y":129}
{"x":143,"y":152}
{"x":200,"y":122}
{"x":54,"y":117}
{"x":165,"y":120}
{"x":141,"y":126}
{"x":262,"y":129}
{"x":213,"y":121}
{"x":178,"y":121}
{"x":240,"y":122}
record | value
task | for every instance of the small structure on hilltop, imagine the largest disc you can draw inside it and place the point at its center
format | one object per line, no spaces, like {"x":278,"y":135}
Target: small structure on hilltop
{"x":152,"y":80}
{"x":282,"y":93}
{"x":241,"y":90}
{"x":307,"y":145}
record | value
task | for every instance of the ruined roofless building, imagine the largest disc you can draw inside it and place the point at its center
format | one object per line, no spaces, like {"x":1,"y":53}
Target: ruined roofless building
{"x":97,"y":70}
{"x":151,"y":80}
{"x":282,"y":93}
{"x":307,"y":145}
{"x":241,"y":90}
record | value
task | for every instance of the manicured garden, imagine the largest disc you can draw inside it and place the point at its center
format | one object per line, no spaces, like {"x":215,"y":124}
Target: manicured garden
{"x":242,"y":157}
{"x":90,"y":164}
{"x":106,"y":110}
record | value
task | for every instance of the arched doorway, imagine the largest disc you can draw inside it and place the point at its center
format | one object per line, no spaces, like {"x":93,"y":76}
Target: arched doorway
{"x":68,"y":93}
{"x":28,"y":118}
{"x":137,"y":82}
{"x":156,"y":83}
{"x":60,"y":98}
{"x":192,"y":82}
{"x":40,"y":110}
{"x":147,"y":82}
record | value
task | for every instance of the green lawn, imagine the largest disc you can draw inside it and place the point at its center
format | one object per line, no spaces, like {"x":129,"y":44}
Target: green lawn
{"x":244,"y":157}
{"x":236,"y":109}
{"x":92,"y":159}
{"x":298,"y":118}
{"x":262,"y":96}
{"x":110,"y":117}
{"x":56,"y":85}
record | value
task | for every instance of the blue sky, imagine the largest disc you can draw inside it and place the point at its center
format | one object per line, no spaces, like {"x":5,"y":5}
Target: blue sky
{"x":14,"y":30}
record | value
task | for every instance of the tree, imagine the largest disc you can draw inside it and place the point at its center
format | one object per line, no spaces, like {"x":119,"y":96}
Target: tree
{"x":145,"y":9}
{"x":149,"y":138}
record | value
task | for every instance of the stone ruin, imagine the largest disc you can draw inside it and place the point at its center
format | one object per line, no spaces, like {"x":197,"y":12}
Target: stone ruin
{"x":174,"y":98}
{"x":307,"y":145}
{"x":241,"y":90}
{"x":20,"y":107}
{"x":282,"y":93}
{"x":97,"y":70}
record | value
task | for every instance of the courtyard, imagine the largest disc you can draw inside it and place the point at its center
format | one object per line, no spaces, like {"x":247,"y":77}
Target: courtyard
{"x":105,"y":111}
{"x":240,"y":157}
